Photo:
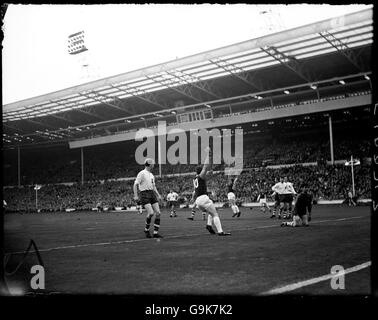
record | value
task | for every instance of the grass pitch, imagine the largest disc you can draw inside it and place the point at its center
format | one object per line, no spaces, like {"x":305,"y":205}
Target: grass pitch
{"x":107,"y":253}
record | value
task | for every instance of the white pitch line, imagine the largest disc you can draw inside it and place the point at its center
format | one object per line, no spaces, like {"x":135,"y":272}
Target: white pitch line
{"x":301,"y":284}
{"x":168,"y":237}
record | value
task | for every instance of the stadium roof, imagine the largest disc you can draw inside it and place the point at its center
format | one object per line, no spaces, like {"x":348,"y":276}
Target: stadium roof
{"x":318,"y":54}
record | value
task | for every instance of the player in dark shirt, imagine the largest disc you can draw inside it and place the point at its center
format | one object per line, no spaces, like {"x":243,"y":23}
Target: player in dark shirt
{"x":202,"y":200}
{"x":262,"y":199}
{"x":302,"y":209}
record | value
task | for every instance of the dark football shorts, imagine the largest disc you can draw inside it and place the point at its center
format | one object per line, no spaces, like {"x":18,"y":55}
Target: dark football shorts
{"x":286,"y":198}
{"x":147,"y":196}
{"x":172,"y":203}
{"x":289,"y":198}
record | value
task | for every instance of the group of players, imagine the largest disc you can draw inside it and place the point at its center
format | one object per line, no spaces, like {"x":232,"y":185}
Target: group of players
{"x":146,"y":195}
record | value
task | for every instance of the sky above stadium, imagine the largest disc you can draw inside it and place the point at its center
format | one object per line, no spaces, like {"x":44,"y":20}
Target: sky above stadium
{"x":124,"y":37}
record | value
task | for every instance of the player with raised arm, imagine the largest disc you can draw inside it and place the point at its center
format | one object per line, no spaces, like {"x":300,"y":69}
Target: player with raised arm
{"x":149,"y":197}
{"x":172,"y":198}
{"x":231,"y":196}
{"x":203,"y":201}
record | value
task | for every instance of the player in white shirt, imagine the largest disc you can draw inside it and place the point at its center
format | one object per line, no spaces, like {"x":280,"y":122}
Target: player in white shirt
{"x":279,"y":189}
{"x":172,"y":198}
{"x":288,"y":198}
{"x":231,"y":185}
{"x":149,"y":197}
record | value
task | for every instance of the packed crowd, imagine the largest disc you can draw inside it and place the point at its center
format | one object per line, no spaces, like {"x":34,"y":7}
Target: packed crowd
{"x":115,"y":161}
{"x":326,"y":182}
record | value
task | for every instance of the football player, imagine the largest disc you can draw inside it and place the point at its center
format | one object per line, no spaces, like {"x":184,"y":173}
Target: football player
{"x":172,"y":202}
{"x":278,"y":190}
{"x":231,"y":196}
{"x":262,"y":199}
{"x":288,"y":198}
{"x":149,"y":197}
{"x":202,"y":199}
{"x":302,"y":209}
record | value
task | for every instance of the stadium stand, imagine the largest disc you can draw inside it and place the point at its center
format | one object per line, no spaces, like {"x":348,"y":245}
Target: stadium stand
{"x":326,"y":183}
{"x":286,"y":112}
{"x":105,"y":162}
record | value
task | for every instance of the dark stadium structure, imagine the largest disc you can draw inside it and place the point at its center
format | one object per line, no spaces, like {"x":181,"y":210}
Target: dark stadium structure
{"x":301,"y":96}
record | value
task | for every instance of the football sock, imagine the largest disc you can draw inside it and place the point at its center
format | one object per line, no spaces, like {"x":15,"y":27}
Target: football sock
{"x":217,"y":224}
{"x":148,"y":222}
{"x":209,"y":220}
{"x":156,"y":225}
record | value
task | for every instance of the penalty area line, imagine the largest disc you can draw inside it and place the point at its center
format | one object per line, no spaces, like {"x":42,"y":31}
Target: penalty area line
{"x":167,"y":237}
{"x":309,"y":282}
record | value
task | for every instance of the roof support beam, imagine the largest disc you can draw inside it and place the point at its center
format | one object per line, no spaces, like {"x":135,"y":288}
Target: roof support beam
{"x":41,"y":123}
{"x":342,"y":48}
{"x":290,"y":62}
{"x":140,"y":94}
{"x":81,"y":109}
{"x":239,"y":73}
{"x":195,"y":82}
{"x":89,"y":113}
{"x":64,"y":117}
{"x":103,"y":99}
{"x":183,"y":89}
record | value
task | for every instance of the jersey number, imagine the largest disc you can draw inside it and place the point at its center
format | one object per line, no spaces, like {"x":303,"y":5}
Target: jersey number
{"x":195,"y":182}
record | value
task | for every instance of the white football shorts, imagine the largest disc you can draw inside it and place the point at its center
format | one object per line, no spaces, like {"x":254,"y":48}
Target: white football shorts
{"x":263,"y":201}
{"x":231,"y":196}
{"x":203,"y":202}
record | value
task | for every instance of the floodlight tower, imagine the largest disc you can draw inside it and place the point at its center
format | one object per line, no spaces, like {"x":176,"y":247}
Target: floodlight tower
{"x":272,"y":19}
{"x":78,"y":48}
